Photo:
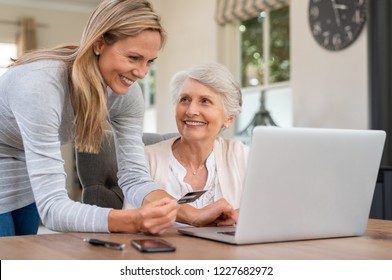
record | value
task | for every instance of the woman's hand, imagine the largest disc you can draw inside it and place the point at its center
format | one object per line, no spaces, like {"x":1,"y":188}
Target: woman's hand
{"x":152,"y":218}
{"x":218,"y":213}
{"x":228,"y":219}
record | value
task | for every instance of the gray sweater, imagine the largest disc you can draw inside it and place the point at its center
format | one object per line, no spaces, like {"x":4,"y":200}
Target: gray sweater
{"x":36,"y":118}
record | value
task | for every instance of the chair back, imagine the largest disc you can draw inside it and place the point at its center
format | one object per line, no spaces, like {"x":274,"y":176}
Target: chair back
{"x":98,"y":172}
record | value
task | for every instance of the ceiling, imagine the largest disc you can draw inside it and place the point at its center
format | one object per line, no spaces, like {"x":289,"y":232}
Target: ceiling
{"x":76,"y":5}
{"x":75,"y":2}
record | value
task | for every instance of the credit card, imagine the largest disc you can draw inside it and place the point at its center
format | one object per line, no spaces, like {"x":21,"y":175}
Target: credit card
{"x":190,"y":197}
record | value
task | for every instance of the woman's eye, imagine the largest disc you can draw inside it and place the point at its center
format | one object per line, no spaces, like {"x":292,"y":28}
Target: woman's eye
{"x":133,"y":58}
{"x":184,"y":99}
{"x":205,"y":101}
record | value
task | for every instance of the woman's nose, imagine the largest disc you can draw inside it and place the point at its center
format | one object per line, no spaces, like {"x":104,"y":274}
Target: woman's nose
{"x":192,"y":109}
{"x":141,"y":71}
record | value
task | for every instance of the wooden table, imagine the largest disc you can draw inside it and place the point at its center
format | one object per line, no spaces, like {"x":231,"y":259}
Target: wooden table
{"x":376,"y":244}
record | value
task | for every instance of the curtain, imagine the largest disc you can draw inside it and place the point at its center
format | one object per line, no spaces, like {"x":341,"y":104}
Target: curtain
{"x":26,"y":37}
{"x":232,"y":10}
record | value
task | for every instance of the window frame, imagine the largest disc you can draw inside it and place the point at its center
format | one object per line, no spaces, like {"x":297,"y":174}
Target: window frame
{"x":229,"y":44}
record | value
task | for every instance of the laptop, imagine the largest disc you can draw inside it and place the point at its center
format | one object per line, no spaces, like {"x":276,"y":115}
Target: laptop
{"x":304,"y":183}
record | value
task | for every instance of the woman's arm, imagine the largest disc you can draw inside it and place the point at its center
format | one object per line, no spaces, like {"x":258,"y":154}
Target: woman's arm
{"x":126,"y":118}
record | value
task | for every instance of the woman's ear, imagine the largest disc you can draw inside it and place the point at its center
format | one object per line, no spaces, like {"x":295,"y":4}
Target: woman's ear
{"x":230,"y":120}
{"x":98,"y":45}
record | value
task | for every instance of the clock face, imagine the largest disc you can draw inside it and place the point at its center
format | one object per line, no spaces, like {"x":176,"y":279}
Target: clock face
{"x":335,"y":24}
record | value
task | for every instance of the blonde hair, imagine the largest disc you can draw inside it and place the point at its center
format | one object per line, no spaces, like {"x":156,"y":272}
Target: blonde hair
{"x":113,"y":20}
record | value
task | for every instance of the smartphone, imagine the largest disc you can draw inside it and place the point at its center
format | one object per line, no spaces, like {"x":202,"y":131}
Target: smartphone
{"x":152,"y":245}
{"x":107,"y":244}
{"x":190,"y":197}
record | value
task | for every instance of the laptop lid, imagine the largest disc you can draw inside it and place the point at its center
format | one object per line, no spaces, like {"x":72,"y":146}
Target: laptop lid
{"x":305,"y":183}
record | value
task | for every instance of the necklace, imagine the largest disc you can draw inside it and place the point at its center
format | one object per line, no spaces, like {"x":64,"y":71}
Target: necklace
{"x":195,"y":171}
{"x":189,"y":165}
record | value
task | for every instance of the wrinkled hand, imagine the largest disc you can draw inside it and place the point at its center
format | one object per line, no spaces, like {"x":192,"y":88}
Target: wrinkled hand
{"x":228,"y":218}
{"x":218,"y":213}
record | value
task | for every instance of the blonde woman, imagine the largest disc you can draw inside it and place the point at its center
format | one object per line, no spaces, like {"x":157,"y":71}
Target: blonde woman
{"x":70,"y":93}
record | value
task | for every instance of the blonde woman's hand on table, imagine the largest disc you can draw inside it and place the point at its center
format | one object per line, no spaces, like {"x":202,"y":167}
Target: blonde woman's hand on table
{"x":152,"y":218}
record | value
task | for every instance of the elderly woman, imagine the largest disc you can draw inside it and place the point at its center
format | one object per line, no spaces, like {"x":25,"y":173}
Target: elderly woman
{"x":207,"y":100}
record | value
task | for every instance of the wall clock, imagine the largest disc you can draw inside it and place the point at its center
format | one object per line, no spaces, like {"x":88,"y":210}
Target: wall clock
{"x":335,"y":24}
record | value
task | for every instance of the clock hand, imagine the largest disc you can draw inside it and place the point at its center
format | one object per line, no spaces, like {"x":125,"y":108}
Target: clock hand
{"x":341,"y":6}
{"x":336,"y":12}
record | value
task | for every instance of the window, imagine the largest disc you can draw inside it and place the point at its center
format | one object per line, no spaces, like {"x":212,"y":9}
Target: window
{"x":265,"y":48}
{"x":148,"y":87}
{"x":7,"y":51}
{"x":265,"y":71}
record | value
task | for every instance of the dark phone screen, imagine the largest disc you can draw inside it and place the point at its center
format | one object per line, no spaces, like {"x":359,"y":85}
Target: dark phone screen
{"x":152,"y":245}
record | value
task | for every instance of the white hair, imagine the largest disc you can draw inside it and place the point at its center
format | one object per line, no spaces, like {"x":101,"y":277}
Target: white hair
{"x":215,"y":76}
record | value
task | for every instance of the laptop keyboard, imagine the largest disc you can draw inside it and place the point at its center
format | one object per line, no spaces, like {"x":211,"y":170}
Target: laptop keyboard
{"x":227,"y":232}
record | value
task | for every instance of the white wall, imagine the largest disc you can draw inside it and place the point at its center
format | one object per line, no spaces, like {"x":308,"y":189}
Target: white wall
{"x":59,"y":27}
{"x":330,"y":89}
{"x":192,"y":39}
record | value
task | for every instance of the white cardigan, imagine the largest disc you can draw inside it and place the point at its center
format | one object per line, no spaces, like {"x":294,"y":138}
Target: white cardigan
{"x":231,"y":162}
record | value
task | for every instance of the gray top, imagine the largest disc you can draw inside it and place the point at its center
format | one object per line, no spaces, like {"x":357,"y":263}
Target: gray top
{"x":36,"y":118}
